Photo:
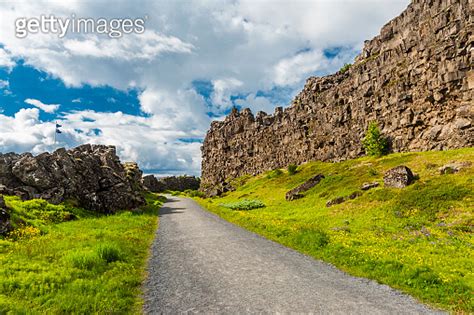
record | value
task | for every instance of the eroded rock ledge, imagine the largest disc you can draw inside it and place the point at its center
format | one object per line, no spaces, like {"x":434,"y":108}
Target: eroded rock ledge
{"x":416,"y":79}
{"x":90,"y":174}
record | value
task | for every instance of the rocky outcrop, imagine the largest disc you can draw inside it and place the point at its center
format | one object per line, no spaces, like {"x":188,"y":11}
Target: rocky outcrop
{"x":398,"y":177}
{"x":339,"y":200}
{"x":335,"y":201}
{"x":296,"y":192}
{"x":90,"y":174}
{"x":151,"y":183}
{"x":453,"y":167}
{"x":5,"y":225}
{"x":367,"y":186}
{"x":415,"y":78}
{"x":173,"y":183}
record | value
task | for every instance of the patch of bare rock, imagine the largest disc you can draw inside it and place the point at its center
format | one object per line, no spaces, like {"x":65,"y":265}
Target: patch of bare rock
{"x":296,"y":193}
{"x":453,"y":167}
{"x":5,"y":225}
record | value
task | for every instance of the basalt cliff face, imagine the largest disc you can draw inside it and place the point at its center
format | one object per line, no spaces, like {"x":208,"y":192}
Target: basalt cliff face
{"x":415,"y":79}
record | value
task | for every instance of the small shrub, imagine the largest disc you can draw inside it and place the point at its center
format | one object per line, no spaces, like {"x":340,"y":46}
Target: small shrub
{"x":373,"y":172}
{"x":275,"y":173}
{"x":345,"y":67}
{"x":109,"y":252}
{"x":244,"y":204}
{"x":374,"y":143}
{"x":292,"y":168}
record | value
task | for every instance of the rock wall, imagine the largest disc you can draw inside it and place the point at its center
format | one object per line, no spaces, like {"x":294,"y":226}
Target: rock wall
{"x":173,"y":183}
{"x":90,"y":174}
{"x":416,"y":79}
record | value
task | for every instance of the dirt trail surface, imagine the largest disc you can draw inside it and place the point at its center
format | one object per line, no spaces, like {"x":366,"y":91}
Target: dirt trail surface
{"x":203,"y":264}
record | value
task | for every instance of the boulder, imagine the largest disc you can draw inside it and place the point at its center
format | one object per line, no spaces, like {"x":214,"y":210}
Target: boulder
{"x":367,"y":186}
{"x":453,"y":167}
{"x":90,"y":174}
{"x":398,"y":177}
{"x":4,"y":190}
{"x":295,"y":193}
{"x":339,"y":200}
{"x":5,"y":225}
{"x":335,"y":201}
{"x":354,"y":195}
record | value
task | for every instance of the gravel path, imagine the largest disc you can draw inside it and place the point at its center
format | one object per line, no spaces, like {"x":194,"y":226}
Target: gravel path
{"x":203,"y":264}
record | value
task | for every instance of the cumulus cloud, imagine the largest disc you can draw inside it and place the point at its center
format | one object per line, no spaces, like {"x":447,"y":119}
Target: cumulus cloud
{"x":48,"y":108}
{"x":256,"y":103}
{"x":223,"y":89}
{"x":25,"y":132}
{"x":5,"y":60}
{"x":288,"y":71}
{"x":145,"y":46}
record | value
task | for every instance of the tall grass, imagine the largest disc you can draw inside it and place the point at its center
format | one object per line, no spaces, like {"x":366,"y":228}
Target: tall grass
{"x":90,"y":265}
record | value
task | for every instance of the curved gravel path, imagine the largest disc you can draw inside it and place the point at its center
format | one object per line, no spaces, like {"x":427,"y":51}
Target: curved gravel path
{"x":203,"y":264}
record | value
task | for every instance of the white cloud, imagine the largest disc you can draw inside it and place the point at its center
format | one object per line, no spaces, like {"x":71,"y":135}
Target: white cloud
{"x":4,"y":84}
{"x":25,"y":132}
{"x":223,"y":89}
{"x":289,"y":71}
{"x":257,"y":103}
{"x":145,"y":46}
{"x":48,"y":108}
{"x":5,"y":59}
{"x":184,"y":113}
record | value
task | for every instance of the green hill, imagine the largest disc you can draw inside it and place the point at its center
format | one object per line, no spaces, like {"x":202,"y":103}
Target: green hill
{"x":417,"y":239}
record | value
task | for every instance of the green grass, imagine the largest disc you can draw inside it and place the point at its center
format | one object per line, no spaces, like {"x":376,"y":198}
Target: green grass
{"x":345,"y":68}
{"x":92,"y":264}
{"x":417,"y":239}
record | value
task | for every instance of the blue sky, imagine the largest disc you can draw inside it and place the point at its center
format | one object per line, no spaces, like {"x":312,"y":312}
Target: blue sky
{"x":153,"y":95}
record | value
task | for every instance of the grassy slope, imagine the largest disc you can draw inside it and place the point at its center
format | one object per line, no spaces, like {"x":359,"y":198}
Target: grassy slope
{"x":91,"y":265}
{"x":417,"y":239}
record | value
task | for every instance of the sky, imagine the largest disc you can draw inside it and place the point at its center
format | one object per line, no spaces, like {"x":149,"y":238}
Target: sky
{"x":153,"y":94}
